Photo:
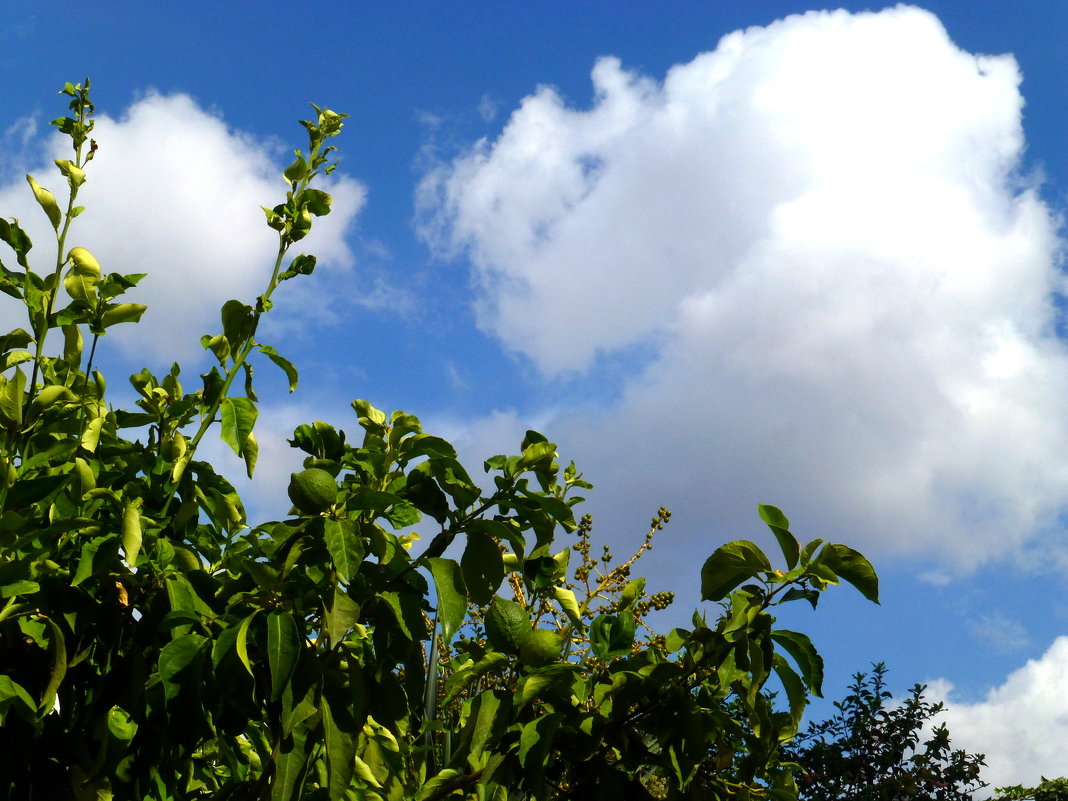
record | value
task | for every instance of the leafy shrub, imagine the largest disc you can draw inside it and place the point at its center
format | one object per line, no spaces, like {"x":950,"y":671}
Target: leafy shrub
{"x":154,"y":644}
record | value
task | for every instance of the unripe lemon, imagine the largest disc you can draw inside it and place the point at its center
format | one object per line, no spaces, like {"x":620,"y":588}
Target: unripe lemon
{"x":541,"y":648}
{"x":313,"y":490}
{"x":507,"y":625}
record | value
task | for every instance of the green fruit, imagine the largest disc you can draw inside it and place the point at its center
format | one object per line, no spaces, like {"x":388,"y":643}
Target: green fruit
{"x":541,"y":648}
{"x":507,"y":625}
{"x":313,"y":490}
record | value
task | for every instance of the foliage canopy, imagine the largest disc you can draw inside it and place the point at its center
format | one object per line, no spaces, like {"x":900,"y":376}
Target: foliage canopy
{"x":875,"y":750}
{"x":156,"y":644}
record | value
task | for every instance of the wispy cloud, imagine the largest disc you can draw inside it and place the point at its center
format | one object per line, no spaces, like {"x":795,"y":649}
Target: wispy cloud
{"x":1001,"y":633}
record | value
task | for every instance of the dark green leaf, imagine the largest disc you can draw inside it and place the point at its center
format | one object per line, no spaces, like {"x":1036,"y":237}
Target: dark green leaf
{"x":612,"y":636}
{"x":340,"y":742}
{"x":483,"y":567}
{"x":730,"y":565}
{"x":451,"y":593}
{"x":57,"y":652}
{"x":13,"y":235}
{"x":804,"y":653}
{"x":283,"y":650}
{"x":179,"y":662}
{"x":853,"y":567}
{"x":12,"y":396}
{"x":238,"y":320}
{"x":780,"y":527}
{"x":13,"y":694}
{"x":345,"y":546}
{"x":286,"y":366}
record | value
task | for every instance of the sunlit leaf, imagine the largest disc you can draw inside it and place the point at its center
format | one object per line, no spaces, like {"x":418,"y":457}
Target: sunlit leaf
{"x":451,"y":594}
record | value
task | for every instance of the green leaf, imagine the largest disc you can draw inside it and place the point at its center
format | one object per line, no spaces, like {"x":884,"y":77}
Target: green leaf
{"x":12,"y":396}
{"x":219,"y":345}
{"x":57,"y":651}
{"x":179,"y":662}
{"x":535,"y":742}
{"x":13,"y":694}
{"x":730,"y":565}
{"x":47,"y":202}
{"x":345,"y":546}
{"x":96,"y":555}
{"x":238,"y":320}
{"x":804,"y":653}
{"x":340,"y":748}
{"x":483,"y":567}
{"x":291,"y":765}
{"x":53,"y":393}
{"x":488,"y":722}
{"x":250,"y":453}
{"x":16,"y":238}
{"x":297,"y":170}
{"x":241,"y":642}
{"x":372,"y":419}
{"x":286,"y":366}
{"x":82,"y":277}
{"x":795,"y":694}
{"x":472,"y":672}
{"x":537,"y":454}
{"x":131,"y":531}
{"x":283,"y":650}
{"x":568,"y":602}
{"x":780,"y":527}
{"x":75,"y":175}
{"x":631,"y":593}
{"x":853,"y":567}
{"x":238,"y":420}
{"x":612,"y":636}
{"x":442,"y":779}
{"x":452,"y":595}
{"x":317,"y":201}
{"x":122,"y":313}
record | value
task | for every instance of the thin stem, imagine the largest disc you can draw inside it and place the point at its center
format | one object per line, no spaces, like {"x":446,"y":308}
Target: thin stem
{"x":284,"y":243}
{"x":61,"y":239}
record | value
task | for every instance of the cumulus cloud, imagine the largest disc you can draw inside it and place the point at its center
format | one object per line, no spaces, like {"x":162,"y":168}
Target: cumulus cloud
{"x":176,"y":193}
{"x":821,"y":231}
{"x":1021,"y":726}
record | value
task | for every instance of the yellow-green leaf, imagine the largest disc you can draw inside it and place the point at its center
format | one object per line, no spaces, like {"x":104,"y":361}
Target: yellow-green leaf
{"x":47,"y":202}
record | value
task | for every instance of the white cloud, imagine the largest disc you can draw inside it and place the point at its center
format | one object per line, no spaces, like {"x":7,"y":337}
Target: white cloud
{"x":1021,"y":726}
{"x":175,"y":193}
{"x":821,"y":229}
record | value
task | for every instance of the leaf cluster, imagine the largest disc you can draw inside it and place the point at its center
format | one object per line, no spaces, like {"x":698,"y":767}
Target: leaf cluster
{"x":877,"y":749}
{"x":156,"y":644}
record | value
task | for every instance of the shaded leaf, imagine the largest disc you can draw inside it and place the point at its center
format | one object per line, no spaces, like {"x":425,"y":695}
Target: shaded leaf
{"x":730,"y":565}
{"x":283,"y":650}
{"x":483,"y":567}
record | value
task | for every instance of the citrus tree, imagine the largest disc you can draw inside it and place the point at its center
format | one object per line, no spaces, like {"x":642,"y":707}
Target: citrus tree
{"x":157,"y":644}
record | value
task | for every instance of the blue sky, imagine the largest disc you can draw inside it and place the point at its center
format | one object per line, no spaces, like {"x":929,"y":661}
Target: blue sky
{"x":816,"y":264}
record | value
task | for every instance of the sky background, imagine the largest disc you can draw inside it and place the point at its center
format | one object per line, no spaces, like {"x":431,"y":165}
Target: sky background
{"x":723,"y":253}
